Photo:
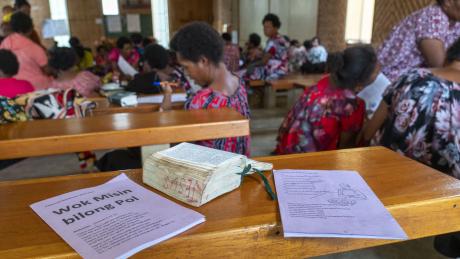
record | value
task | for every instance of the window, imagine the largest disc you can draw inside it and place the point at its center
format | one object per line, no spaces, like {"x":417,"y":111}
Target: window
{"x":161,"y":22}
{"x":359,"y":21}
{"x":58,"y":10}
{"x":110,"y":7}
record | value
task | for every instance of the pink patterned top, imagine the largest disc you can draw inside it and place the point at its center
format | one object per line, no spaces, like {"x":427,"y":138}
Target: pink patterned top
{"x":399,"y":53}
{"x":85,"y":83}
{"x":232,"y":57}
{"x":208,"y":98}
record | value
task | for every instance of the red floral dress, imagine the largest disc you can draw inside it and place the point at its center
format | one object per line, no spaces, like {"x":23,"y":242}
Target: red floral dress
{"x":318,"y":118}
{"x":208,"y":98}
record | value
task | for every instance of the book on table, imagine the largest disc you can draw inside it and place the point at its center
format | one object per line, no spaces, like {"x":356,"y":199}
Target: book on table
{"x":196,"y":174}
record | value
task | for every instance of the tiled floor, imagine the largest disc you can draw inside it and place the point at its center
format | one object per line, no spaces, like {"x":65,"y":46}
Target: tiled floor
{"x":264,"y":125}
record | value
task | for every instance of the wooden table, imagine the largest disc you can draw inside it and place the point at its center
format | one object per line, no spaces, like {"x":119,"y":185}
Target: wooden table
{"x":290,"y":83}
{"x":246,"y":223}
{"x":103,"y":107}
{"x":46,"y":137}
{"x":296,"y":80}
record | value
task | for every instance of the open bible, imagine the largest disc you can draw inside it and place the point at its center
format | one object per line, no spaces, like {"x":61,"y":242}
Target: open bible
{"x":195,"y":174}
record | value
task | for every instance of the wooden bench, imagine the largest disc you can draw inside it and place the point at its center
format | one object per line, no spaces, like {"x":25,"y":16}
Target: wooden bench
{"x":49,"y":137}
{"x":288,"y":83}
{"x":245,"y":223}
{"x":103,"y":107}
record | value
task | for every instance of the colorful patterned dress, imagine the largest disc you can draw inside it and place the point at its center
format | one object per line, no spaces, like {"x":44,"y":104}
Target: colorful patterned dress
{"x":277,"y":66}
{"x":207,"y":98}
{"x":318,"y":118}
{"x":400,"y":52}
{"x":424,"y":120}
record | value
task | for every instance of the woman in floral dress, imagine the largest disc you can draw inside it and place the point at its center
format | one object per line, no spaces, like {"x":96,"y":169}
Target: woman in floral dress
{"x":275,"y":61}
{"x":329,"y":115}
{"x":421,"y":39}
{"x":419,"y":117}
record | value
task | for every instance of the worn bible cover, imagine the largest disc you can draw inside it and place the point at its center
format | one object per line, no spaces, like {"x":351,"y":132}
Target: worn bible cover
{"x":195,"y":174}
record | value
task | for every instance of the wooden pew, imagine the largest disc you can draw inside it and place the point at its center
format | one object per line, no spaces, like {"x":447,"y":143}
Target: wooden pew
{"x":246,"y":223}
{"x":103,"y":107}
{"x":289,"y":83}
{"x":49,"y":137}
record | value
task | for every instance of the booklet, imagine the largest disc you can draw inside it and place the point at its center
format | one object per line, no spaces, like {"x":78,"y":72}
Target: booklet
{"x":158,"y":99}
{"x":372,"y":94}
{"x":317,"y":203}
{"x":125,"y":67}
{"x":116,"y":219}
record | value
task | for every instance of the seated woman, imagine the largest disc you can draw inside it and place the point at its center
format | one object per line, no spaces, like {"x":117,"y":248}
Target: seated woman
{"x":199,"y":50}
{"x":231,"y":53}
{"x":419,"y":117}
{"x":124,"y":50}
{"x":329,"y":115}
{"x":316,"y":57}
{"x":85,"y":56}
{"x":9,"y":86}
{"x":421,"y":39}
{"x":156,"y":70}
{"x":31,"y":56}
{"x":64,"y":62}
{"x":253,"y":52}
{"x":274,"y":63}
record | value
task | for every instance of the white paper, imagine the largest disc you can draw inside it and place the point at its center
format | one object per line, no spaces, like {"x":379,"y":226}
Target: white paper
{"x":116,"y":219}
{"x":196,"y":154}
{"x":372,"y":94}
{"x":113,"y":23}
{"x":125,"y":67}
{"x":317,"y":203}
{"x":130,"y":100}
{"x":52,"y":28}
{"x":158,"y":99}
{"x":133,"y":22}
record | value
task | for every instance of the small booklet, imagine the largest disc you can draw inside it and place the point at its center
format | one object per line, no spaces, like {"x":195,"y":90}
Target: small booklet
{"x":123,"y":98}
{"x":317,"y":203}
{"x":116,"y":219}
{"x":125,"y":67}
{"x":196,"y":174}
{"x":372,"y":94}
{"x":158,"y":98}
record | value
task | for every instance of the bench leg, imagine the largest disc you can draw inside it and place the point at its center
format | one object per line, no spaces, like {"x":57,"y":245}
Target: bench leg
{"x":147,"y":151}
{"x":269,"y":97}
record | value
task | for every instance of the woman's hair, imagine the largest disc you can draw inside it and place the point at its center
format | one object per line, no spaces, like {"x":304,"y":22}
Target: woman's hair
{"x":62,"y":58}
{"x":274,"y":19}
{"x":122,"y":41}
{"x":19,"y":3}
{"x":136,"y":38}
{"x":294,"y":42}
{"x":353,"y":66}
{"x":307,"y":44}
{"x":453,"y":53}
{"x":196,"y":40}
{"x":147,"y":41}
{"x":440,"y":2}
{"x":21,"y":23}
{"x":227,"y":36}
{"x":316,"y":38}
{"x":254,"y":38}
{"x":157,"y":57}
{"x":77,"y":47}
{"x":101,"y":47}
{"x":9,"y":64}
